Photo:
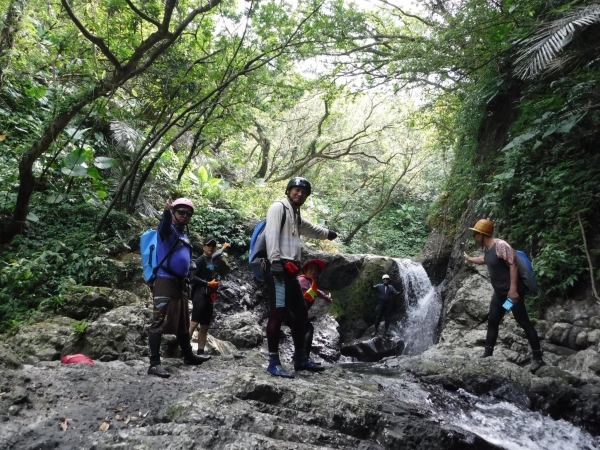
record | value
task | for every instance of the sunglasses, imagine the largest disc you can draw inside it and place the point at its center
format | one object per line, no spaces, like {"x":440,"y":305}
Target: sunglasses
{"x":183,"y":212}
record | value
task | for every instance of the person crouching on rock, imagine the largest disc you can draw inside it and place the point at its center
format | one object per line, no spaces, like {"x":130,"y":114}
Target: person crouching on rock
{"x":204,"y":290}
{"x":385,"y":291}
{"x":311,"y":270}
{"x":499,"y":257}
{"x":171,"y":311}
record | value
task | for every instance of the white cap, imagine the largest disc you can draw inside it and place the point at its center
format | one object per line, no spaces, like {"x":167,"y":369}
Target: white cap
{"x":385,"y":277}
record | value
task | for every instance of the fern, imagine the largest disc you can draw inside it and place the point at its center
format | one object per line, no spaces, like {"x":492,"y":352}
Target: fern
{"x":540,"y":52}
{"x":124,"y":136}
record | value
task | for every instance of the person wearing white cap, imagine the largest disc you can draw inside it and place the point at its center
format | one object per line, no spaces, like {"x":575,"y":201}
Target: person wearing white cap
{"x":385,"y":291}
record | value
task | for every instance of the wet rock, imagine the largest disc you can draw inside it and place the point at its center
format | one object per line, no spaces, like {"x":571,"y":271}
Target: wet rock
{"x":242,"y":330}
{"x":119,"y":334}
{"x":557,"y":349}
{"x":555,"y":372}
{"x":216,"y":346}
{"x":8,"y":358}
{"x":374,"y":349}
{"x":89,"y":302}
{"x":559,"y":334}
{"x":45,"y":341}
{"x":584,"y":364}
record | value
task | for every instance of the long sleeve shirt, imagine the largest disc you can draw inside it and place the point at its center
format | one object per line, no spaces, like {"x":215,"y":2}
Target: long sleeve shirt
{"x":284,"y":243}
{"x":385,"y":291}
{"x":179,"y":261}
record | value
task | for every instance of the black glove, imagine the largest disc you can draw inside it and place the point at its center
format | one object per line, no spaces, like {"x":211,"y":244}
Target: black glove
{"x":331,"y":235}
{"x":277,"y":268}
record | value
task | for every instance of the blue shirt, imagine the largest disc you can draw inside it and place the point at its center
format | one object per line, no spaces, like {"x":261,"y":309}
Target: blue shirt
{"x":180,"y":259}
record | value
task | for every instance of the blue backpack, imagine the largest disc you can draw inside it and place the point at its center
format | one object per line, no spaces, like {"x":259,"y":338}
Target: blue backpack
{"x":257,"y":256}
{"x":526,"y":274}
{"x":148,"y":244}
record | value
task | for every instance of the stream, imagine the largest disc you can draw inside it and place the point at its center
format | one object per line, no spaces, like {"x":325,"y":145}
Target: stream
{"x":511,"y":426}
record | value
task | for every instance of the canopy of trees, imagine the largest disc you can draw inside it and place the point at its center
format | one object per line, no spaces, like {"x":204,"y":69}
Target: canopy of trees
{"x":386,"y":107}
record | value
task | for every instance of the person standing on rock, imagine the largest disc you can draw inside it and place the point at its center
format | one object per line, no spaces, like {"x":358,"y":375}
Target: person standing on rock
{"x":284,"y":253}
{"x":311,"y":270}
{"x":204,"y":290}
{"x":499,"y":257}
{"x":171,"y":311}
{"x":385,"y":304}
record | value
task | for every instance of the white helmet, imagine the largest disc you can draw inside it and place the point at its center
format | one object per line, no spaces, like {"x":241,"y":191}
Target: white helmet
{"x":385,"y":277}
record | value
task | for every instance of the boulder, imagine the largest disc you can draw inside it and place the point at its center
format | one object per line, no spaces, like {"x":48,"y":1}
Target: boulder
{"x":374,"y":349}
{"x":8,"y":358}
{"x":90,"y":302}
{"x":119,"y":334}
{"x":559,"y":334}
{"x":242,"y":330}
{"x":215,"y":346}
{"x":46,"y":341}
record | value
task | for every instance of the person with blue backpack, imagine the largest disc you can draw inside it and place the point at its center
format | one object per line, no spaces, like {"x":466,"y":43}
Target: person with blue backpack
{"x":283,"y":228}
{"x":170,"y":285}
{"x":509,"y":289}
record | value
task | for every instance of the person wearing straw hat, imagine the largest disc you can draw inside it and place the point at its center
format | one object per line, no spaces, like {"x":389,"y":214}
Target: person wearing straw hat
{"x":500,"y":259}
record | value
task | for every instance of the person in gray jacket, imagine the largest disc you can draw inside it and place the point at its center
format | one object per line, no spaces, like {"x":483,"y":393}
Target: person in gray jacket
{"x":284,"y":253}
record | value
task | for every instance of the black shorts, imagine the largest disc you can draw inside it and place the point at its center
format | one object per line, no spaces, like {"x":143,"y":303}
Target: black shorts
{"x":203,"y":309}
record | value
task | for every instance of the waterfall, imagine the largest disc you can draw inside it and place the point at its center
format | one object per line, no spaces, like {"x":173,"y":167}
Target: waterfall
{"x":423,"y":307}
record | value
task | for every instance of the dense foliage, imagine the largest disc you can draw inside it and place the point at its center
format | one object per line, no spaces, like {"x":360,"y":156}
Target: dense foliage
{"x":109,"y":108}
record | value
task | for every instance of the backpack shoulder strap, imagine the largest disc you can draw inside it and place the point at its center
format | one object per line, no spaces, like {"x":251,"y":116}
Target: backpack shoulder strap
{"x":285,"y":209}
{"x":169,"y":253}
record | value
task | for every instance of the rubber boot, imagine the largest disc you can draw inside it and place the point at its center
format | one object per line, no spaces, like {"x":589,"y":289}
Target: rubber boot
{"x":275,"y":368}
{"x":200,"y":351}
{"x":301,"y":362}
{"x":489,"y":351}
{"x":536,"y":361}
{"x":188,"y":354}
{"x":155,"y":367}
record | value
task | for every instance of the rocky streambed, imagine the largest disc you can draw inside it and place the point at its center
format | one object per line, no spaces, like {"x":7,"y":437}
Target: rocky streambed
{"x":443,"y":398}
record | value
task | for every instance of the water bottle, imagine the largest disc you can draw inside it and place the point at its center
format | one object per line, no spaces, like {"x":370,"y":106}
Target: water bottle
{"x":508,"y":304}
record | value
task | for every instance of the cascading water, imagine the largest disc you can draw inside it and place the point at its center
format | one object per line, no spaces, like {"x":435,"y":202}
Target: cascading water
{"x":423,"y":307}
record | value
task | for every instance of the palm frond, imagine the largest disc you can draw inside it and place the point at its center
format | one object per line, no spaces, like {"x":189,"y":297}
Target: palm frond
{"x":552,"y":38}
{"x":124,"y":136}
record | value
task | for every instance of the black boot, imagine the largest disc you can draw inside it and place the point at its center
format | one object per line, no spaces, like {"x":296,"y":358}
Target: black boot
{"x":188,"y":354}
{"x":375,"y":333}
{"x":155,"y":367}
{"x":489,"y":351}
{"x":200,"y":351}
{"x":301,"y":362}
{"x":536,"y":361}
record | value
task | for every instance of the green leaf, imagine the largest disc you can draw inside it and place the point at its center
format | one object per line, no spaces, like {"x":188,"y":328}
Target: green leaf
{"x":93,"y":173}
{"x":55,"y":198}
{"x":77,"y":157}
{"x":520,"y":139}
{"x":32,"y":217}
{"x":203,"y":174}
{"x":104,"y":162}
{"x":101,"y":194}
{"x":77,"y":171}
{"x":36,"y":92}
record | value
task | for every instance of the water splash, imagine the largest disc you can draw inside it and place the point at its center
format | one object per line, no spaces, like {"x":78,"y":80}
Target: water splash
{"x":423,"y":307}
{"x":513,"y":428}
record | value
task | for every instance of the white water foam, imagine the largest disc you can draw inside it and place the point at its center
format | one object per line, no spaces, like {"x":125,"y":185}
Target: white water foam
{"x":423,"y":308}
{"x":514,"y":428}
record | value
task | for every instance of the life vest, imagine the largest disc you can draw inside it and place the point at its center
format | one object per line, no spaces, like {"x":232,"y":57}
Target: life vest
{"x":311,"y":293}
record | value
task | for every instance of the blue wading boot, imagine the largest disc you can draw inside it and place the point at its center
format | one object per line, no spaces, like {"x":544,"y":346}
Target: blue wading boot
{"x":275,"y":368}
{"x":301,"y":362}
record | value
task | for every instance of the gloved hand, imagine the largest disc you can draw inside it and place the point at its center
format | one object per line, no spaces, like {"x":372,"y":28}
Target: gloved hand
{"x":331,"y":235}
{"x":277,"y":268}
{"x":225,"y":245}
{"x":291,"y":268}
{"x":213,"y":284}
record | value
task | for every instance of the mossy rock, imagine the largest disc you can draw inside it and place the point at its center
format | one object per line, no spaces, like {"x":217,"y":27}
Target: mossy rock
{"x":85,"y":302}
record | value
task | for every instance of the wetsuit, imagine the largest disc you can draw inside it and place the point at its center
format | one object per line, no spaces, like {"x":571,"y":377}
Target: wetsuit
{"x":203,"y":297}
{"x":385,"y":304}
{"x":496,"y":259}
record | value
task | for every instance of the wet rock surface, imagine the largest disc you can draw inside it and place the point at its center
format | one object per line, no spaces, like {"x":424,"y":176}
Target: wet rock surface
{"x":226,"y":403}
